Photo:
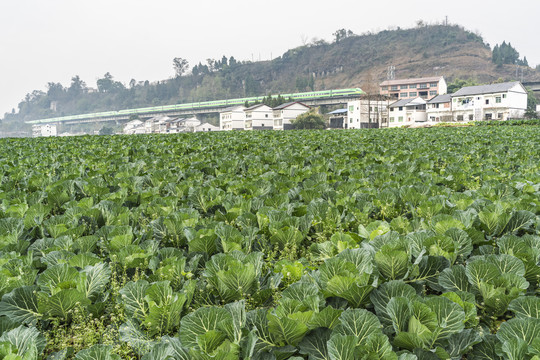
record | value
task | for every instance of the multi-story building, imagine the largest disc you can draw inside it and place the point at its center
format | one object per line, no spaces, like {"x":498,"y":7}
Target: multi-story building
{"x":370,"y":111}
{"x":407,"y":112}
{"x":485,"y":102}
{"x":157,"y":124}
{"x":284,"y":113}
{"x":183,"y":125}
{"x":134,"y":127}
{"x":439,"y":109}
{"x":259,"y":117}
{"x":233,"y":118}
{"x":425,"y":88}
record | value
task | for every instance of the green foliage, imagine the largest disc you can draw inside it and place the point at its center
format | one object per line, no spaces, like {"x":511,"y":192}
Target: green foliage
{"x":506,"y":54}
{"x":460,"y":83}
{"x":309,"y":120}
{"x":191,"y":247}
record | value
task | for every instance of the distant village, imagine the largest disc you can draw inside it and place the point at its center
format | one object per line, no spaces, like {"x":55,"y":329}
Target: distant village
{"x":414,"y":102}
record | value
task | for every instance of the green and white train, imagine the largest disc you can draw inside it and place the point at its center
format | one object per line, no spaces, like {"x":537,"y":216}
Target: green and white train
{"x":201,"y":105}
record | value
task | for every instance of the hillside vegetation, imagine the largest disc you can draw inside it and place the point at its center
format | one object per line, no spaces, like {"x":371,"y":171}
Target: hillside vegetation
{"x":423,"y":51}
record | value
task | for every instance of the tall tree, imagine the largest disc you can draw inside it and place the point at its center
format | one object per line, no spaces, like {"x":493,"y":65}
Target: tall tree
{"x":107,"y":84}
{"x":55,"y":90}
{"x":342,"y":34}
{"x":180,"y":66}
{"x":77,"y":87}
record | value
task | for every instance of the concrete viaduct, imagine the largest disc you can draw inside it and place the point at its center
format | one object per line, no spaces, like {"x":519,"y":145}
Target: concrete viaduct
{"x":337,"y":100}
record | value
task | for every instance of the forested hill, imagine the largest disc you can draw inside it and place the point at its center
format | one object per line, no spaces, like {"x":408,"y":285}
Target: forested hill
{"x":349,"y":61}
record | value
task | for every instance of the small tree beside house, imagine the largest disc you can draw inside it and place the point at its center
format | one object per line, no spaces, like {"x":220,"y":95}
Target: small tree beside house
{"x":309,"y":120}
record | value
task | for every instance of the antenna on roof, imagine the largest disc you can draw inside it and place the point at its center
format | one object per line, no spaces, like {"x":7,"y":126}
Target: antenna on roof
{"x":391,"y":74}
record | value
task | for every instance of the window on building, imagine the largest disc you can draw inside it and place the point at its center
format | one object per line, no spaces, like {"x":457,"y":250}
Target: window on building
{"x":487,"y":101}
{"x":504,"y":96}
{"x":433,"y":93}
{"x":499,"y":115}
{"x":400,"y":119}
{"x":403,"y":95}
{"x":384,"y":88}
{"x":351,"y":108}
{"x":498,"y":100}
{"x":423,"y":86}
{"x":401,"y":108}
{"x":488,"y":116}
{"x":411,"y":94}
{"x":350,"y":120}
{"x":404,"y":86}
{"x":433,"y":84}
{"x":460,"y":118}
{"x":266,"y":116}
{"x":413,"y":86}
{"x":394,"y":87}
{"x":392,"y":119}
{"x":471,"y":117}
{"x":391,"y":109}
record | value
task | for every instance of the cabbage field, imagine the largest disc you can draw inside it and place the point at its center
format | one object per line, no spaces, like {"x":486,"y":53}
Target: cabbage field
{"x":318,"y":245}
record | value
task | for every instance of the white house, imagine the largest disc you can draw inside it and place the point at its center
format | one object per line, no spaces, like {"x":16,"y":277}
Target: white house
{"x":44,"y":130}
{"x":259,"y":117}
{"x":134,"y":127}
{"x":283,"y":114}
{"x":183,"y":125}
{"x":157,"y":124}
{"x":206,"y":127}
{"x":232,"y":118}
{"x":367,"y":112}
{"x":439,"y":109}
{"x":407,"y":112}
{"x":485,"y":102}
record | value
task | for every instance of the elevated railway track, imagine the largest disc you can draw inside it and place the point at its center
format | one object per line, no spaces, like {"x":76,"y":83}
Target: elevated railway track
{"x":315,"y":98}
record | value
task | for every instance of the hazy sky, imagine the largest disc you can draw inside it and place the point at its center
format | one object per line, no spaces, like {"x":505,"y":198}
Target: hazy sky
{"x":45,"y":41}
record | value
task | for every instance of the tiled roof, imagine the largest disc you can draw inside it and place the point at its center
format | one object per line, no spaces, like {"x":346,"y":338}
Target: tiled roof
{"x":485,"y":89}
{"x":338,"y":112}
{"x":408,"y":102}
{"x":233,"y":108}
{"x":411,"y":81}
{"x":439,"y":99}
{"x":254,"y":107}
{"x":402,"y":102}
{"x":286,"y":105}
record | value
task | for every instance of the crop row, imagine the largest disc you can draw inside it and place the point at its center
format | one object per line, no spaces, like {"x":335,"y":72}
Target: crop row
{"x":397,"y":244}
